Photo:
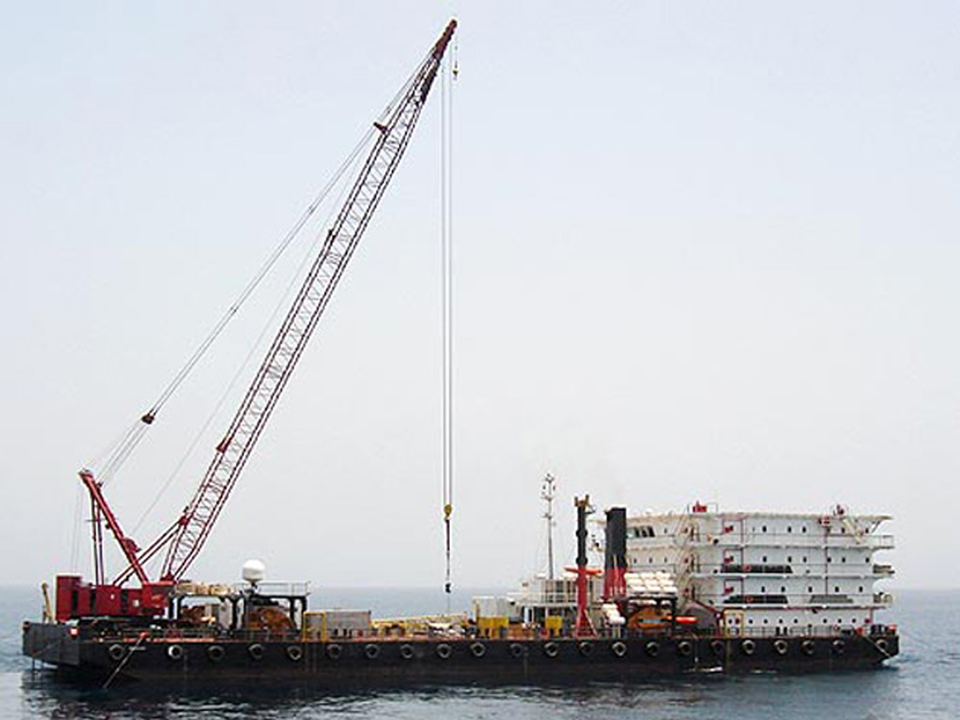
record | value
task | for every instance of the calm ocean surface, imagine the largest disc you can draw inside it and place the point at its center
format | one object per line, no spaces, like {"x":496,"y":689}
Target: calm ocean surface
{"x":922,"y":682}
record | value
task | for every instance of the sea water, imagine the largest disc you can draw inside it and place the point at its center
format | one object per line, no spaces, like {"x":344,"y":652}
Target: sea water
{"x":922,"y":682}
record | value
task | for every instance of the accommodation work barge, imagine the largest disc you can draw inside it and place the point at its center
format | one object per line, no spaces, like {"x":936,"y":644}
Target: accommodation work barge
{"x":614,"y":623}
{"x":703,"y":600}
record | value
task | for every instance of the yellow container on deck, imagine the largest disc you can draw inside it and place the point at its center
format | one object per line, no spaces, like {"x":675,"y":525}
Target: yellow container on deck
{"x":493,"y":626}
{"x":553,"y":624}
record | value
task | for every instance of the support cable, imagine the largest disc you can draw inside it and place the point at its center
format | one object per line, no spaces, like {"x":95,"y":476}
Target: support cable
{"x":132,"y":437}
{"x":134,"y":434}
{"x":280,"y":305}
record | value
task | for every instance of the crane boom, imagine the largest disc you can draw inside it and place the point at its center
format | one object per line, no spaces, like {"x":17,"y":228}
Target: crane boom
{"x":234,"y":449}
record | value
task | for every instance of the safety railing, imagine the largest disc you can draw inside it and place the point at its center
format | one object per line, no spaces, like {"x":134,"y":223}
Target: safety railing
{"x":815,"y":539}
{"x":837,"y":569}
{"x":795,"y":600}
{"x":811,"y":631}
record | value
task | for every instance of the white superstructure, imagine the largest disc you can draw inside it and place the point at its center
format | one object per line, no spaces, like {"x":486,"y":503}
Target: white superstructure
{"x":763,"y":573}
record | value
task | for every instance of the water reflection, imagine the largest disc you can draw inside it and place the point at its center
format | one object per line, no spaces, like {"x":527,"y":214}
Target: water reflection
{"x":40,"y":696}
{"x":871,"y":694}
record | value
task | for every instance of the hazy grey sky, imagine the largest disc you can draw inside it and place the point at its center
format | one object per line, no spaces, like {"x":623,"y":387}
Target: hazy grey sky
{"x":703,"y":251}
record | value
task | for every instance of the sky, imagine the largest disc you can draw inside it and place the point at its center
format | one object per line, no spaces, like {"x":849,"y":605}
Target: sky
{"x":703,"y":251}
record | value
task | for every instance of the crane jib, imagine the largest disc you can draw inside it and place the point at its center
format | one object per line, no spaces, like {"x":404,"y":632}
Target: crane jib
{"x":234,"y":449}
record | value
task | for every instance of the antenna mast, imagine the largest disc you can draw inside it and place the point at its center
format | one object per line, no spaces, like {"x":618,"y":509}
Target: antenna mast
{"x":547,"y":493}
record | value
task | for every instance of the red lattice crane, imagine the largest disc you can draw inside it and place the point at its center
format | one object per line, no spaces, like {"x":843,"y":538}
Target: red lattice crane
{"x":183,"y":540}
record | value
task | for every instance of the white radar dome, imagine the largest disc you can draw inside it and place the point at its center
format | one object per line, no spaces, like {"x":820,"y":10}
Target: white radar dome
{"x":254,"y":571}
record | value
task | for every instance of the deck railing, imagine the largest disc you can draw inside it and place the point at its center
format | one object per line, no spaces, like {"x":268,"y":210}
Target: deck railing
{"x":794,"y":569}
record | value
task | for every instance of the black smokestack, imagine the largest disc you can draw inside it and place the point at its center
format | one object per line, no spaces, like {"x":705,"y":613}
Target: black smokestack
{"x":615,"y":554}
{"x":616,"y":544}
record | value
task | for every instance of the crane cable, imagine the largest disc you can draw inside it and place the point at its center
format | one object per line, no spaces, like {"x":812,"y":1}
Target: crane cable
{"x":281,"y":304}
{"x":134,"y":434}
{"x":446,"y":259}
{"x":120,"y":450}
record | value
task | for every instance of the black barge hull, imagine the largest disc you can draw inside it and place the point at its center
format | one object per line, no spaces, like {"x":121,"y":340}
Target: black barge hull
{"x":402,"y":661}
